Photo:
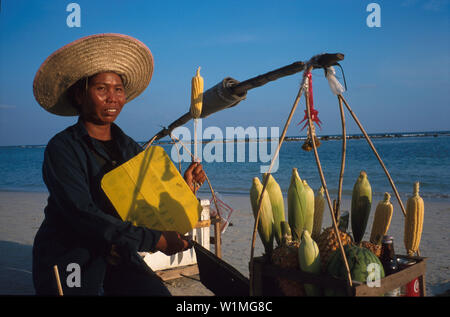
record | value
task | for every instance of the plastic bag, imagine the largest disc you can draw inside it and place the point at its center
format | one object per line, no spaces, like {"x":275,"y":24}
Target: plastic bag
{"x":335,"y":85}
{"x":225,"y":211}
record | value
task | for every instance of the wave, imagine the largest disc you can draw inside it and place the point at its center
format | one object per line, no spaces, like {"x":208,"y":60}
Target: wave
{"x":333,"y":192}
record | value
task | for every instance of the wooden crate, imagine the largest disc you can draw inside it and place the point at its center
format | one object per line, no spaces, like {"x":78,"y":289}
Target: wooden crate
{"x":265,"y":283}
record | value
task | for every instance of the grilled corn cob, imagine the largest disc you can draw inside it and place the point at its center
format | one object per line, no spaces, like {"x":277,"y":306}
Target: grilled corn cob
{"x":413,"y":221}
{"x":382,"y":219}
{"x":196,"y":95}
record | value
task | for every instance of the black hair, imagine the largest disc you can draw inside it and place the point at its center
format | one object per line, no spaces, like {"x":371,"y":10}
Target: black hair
{"x":81,"y":86}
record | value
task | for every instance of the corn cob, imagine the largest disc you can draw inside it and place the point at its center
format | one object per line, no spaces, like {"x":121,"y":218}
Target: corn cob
{"x":286,"y":235}
{"x":296,"y":205}
{"x":413,"y":221}
{"x":360,"y":207}
{"x":265,"y":223}
{"x":309,"y":260}
{"x":319,"y":207}
{"x":196,"y":104}
{"x":277,"y":202}
{"x":309,"y":208}
{"x":382,"y":219}
{"x":196,"y":95}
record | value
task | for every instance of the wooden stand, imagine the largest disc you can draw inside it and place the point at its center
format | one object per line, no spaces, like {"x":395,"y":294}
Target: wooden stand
{"x":171,"y":274}
{"x":217,"y":239}
{"x":265,"y":283}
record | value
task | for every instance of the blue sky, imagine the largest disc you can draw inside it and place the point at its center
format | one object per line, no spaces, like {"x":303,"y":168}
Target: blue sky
{"x":398,"y":75}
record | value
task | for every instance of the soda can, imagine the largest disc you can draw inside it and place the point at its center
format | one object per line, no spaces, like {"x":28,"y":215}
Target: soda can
{"x":412,"y":288}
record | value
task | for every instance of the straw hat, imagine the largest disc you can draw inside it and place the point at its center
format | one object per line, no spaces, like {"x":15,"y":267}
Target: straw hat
{"x":90,"y":55}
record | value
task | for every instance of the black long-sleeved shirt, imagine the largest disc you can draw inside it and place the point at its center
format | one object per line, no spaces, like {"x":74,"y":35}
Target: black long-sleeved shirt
{"x":80,"y":223}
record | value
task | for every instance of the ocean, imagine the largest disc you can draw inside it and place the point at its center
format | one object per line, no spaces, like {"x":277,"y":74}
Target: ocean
{"x":409,"y":157}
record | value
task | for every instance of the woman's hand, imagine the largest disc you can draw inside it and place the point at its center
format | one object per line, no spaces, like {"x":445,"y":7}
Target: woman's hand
{"x":171,"y":242}
{"x":195,"y":176}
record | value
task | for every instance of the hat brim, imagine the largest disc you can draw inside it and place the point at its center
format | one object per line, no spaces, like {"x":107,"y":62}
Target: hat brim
{"x":109,"y":52}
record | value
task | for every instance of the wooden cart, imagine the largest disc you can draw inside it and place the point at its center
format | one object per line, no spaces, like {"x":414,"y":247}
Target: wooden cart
{"x":265,"y":283}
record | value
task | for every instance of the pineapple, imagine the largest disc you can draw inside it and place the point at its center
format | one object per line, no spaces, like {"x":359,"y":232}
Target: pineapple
{"x":328,"y":243}
{"x":375,"y":248}
{"x":286,"y":257}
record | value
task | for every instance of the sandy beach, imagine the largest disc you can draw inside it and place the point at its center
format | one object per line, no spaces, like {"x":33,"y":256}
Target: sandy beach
{"x":21,"y":214}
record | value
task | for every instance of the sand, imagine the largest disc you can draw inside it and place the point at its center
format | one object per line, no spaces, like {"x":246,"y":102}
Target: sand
{"x":21,"y":214}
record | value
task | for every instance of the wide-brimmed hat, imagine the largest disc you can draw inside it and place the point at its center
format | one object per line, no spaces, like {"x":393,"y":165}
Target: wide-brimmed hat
{"x":124,"y":55}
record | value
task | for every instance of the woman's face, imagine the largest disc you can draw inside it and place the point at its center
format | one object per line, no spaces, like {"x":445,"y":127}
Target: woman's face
{"x":104,"y":99}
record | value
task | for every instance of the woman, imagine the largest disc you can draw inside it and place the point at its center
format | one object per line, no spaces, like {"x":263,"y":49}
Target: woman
{"x":93,"y":78}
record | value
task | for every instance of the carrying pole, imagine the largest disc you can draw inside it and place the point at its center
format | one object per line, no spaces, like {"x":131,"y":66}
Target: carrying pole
{"x":241,"y":88}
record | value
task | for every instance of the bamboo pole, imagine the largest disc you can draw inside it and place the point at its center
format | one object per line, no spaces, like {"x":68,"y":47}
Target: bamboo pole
{"x":330,"y":205}
{"x":196,"y":186}
{"x":283,"y":135}
{"x":318,"y":61}
{"x":195,"y":138}
{"x":151,"y":141}
{"x":344,"y":149}
{"x":376,"y":154}
{"x":58,"y":281}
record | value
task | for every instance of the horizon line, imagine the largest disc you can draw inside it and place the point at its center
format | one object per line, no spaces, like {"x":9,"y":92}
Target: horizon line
{"x":324,"y":137}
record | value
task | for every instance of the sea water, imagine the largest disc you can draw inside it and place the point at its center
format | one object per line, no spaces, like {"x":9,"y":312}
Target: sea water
{"x":408,"y":157}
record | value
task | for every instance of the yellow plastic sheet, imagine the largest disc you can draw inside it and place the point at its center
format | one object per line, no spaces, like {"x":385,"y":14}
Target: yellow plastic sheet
{"x":149,"y":191}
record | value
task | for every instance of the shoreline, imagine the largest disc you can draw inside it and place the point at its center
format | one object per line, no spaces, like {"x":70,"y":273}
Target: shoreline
{"x":326,"y":137}
{"x":331,"y":137}
{"x":206,"y":194}
{"x":21,"y":214}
